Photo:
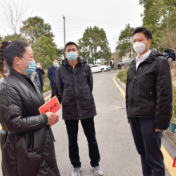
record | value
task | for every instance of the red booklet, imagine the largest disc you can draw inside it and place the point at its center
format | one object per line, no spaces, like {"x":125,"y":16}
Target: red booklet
{"x":51,"y":106}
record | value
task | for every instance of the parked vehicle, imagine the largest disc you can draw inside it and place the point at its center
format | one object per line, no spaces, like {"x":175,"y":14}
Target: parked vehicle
{"x":99,"y":68}
{"x":120,"y":65}
{"x":169,"y":54}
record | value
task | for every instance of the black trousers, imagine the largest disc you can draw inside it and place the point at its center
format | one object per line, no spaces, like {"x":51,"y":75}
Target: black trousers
{"x":148,"y":143}
{"x":53,"y":91}
{"x":89,"y":130}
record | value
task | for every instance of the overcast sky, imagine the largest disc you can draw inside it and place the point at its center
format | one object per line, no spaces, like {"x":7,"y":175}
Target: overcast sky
{"x":112,"y":15}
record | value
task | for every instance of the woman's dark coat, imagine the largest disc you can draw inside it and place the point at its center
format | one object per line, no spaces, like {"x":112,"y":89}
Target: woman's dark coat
{"x":75,"y":88}
{"x":26,"y":142}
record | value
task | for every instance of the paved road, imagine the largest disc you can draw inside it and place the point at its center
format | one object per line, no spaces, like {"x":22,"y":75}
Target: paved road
{"x":118,"y":153}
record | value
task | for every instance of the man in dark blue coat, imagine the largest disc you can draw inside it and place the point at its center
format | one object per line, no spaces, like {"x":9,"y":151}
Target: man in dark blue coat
{"x":40,"y":73}
{"x":52,"y":77}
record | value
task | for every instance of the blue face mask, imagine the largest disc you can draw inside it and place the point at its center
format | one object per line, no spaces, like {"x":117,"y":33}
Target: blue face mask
{"x":56,"y":64}
{"x":72,"y":56}
{"x":31,"y":69}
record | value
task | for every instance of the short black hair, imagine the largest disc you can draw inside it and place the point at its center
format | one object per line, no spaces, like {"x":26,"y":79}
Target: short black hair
{"x":143,"y":30}
{"x":71,"y":43}
{"x":55,"y":59}
{"x":37,"y":62}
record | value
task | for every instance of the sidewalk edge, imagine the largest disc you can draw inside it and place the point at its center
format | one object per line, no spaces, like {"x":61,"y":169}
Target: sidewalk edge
{"x":46,"y":93}
{"x":121,"y":83}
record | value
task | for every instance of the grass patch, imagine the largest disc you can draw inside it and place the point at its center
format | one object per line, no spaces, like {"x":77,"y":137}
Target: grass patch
{"x":174,"y":105}
{"x":46,"y":86}
{"x":122,"y":75}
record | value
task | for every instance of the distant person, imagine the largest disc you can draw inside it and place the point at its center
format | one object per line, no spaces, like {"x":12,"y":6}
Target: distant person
{"x":35,"y":79}
{"x":75,"y":85}
{"x":26,"y":137}
{"x":52,"y":77}
{"x":5,"y":72}
{"x":40,"y":73}
{"x":148,"y":101}
{"x":112,"y":63}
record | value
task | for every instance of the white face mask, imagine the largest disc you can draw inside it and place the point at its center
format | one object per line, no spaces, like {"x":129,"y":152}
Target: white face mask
{"x":38,"y":66}
{"x":139,"y":47}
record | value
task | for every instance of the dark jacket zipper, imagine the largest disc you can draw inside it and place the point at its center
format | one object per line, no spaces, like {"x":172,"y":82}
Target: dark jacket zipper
{"x":74,"y":90}
{"x":135,"y":79}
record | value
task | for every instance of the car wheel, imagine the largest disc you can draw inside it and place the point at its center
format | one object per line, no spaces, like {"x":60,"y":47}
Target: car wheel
{"x":169,"y":59}
{"x":102,"y":70}
{"x":122,"y":67}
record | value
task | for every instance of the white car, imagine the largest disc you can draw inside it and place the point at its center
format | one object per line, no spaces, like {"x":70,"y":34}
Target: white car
{"x":99,"y":68}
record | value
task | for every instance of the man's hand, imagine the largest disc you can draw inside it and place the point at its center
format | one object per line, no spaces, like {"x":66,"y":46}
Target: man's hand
{"x":157,"y":130}
{"x":52,"y":118}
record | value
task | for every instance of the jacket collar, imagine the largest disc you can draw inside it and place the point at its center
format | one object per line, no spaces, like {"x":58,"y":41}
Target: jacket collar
{"x":77,"y":67}
{"x":153,"y":56}
{"x":80,"y":61}
{"x":25,"y":83}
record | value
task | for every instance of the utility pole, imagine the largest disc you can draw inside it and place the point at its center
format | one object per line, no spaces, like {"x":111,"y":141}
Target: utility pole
{"x":64,"y":30}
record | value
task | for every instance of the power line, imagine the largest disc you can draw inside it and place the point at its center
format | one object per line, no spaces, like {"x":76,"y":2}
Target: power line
{"x":64,"y":30}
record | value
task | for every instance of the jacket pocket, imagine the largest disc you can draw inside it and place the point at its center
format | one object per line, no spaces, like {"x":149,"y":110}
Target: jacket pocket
{"x":5,"y":140}
{"x":68,"y":99}
{"x":85,"y":94}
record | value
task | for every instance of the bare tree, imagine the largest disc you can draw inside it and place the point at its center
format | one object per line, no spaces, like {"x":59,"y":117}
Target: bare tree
{"x":168,"y":38}
{"x":113,"y":43}
{"x":13,"y":13}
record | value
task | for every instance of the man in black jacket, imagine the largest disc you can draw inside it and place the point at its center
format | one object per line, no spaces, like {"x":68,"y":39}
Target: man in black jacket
{"x":75,"y":83}
{"x":52,"y":77}
{"x":40,"y":73}
{"x":148,"y":101}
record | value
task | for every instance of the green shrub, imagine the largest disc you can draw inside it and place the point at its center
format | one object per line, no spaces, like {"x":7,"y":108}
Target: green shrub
{"x":174,"y":105}
{"x":46,"y":86}
{"x":122,"y":75}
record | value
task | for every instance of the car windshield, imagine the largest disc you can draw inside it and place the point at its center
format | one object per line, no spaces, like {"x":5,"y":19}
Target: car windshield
{"x":169,"y":51}
{"x":128,"y":60}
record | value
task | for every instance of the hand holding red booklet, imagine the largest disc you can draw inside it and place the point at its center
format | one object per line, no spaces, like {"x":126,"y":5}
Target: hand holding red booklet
{"x":51,"y":106}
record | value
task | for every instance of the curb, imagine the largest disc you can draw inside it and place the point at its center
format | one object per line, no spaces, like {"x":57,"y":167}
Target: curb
{"x":121,"y":83}
{"x":171,"y":135}
{"x":46,"y":93}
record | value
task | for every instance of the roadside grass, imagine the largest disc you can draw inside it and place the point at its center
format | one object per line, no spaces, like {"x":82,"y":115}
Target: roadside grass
{"x":122,"y":75}
{"x":174,"y":104}
{"x":46,"y":82}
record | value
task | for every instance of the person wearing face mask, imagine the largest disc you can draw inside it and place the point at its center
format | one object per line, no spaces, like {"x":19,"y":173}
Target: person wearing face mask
{"x":75,"y":84}
{"x":52,"y":78}
{"x":26,"y":139}
{"x":148,"y":101}
{"x":40,"y":73}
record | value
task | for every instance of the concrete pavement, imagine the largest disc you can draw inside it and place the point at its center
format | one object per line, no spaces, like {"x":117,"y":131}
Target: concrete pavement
{"x":118,"y":153}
